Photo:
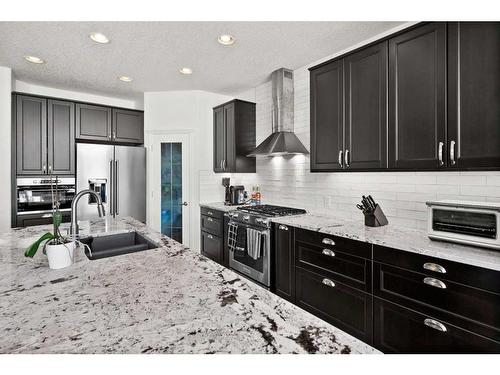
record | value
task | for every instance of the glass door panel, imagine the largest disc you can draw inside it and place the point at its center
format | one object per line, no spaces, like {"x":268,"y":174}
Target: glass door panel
{"x":171,"y":190}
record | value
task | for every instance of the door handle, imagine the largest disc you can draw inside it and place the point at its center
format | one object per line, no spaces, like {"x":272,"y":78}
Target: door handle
{"x":435,"y":324}
{"x":50,"y":169}
{"x":111,"y":189}
{"x":224,"y":164}
{"x":117,"y":185}
{"x":434,"y":282}
{"x":184,"y":203}
{"x":346,"y":158}
{"x":452,"y":152}
{"x":44,"y":167}
{"x":340,"y":159}
{"x":440,"y":153}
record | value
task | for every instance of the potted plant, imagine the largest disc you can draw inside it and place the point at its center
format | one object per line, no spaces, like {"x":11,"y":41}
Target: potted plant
{"x":58,"y":248}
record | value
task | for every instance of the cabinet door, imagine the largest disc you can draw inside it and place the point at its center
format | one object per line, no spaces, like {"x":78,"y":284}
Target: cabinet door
{"x":211,"y":246}
{"x":474,"y":95}
{"x":417,"y":118}
{"x":128,"y":126}
{"x":31,"y":135}
{"x":366,"y":120}
{"x":284,"y":265}
{"x":229,"y":162}
{"x":219,"y":139}
{"x":93,"y":122}
{"x":61,"y":137}
{"x":327,"y":117}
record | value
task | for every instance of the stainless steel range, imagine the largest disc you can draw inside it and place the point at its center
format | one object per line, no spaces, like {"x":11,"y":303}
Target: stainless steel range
{"x":249,"y":239}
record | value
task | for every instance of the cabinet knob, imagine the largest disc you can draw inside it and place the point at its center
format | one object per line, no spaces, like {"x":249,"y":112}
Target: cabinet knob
{"x":434,"y":282}
{"x":328,"y":282}
{"x":328,"y":241}
{"x":328,"y":252}
{"x":434,"y":267}
{"x":283,"y":227}
{"x":435,"y":324}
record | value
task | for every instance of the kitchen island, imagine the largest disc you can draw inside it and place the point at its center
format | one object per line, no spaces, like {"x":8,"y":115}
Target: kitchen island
{"x":165,"y":300}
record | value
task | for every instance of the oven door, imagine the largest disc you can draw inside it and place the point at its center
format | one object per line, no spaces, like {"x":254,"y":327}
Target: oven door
{"x":38,"y":198}
{"x":256,"y":269}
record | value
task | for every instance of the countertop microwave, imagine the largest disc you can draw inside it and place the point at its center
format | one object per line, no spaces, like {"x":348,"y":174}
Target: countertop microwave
{"x":465,"y":222}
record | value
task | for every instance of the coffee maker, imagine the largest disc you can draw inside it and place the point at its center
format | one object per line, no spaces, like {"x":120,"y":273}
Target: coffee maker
{"x":227,"y":194}
{"x":237,"y":195}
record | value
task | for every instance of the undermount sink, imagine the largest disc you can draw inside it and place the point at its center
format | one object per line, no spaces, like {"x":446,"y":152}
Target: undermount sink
{"x":116,"y":244}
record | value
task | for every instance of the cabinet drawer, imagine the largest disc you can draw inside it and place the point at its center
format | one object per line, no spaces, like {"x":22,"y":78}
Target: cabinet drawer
{"x":344,"y":307}
{"x":407,"y":287}
{"x":400,"y":330}
{"x":356,"y":248}
{"x":443,"y":269}
{"x":350,"y":270}
{"x":212,"y":213}
{"x":211,"y":246}
{"x":211,"y":225}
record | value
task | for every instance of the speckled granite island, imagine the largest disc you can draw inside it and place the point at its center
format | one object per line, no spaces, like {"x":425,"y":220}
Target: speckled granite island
{"x":165,"y":300}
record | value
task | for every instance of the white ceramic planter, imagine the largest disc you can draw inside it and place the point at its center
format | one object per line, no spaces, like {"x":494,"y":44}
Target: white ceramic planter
{"x":60,"y":256}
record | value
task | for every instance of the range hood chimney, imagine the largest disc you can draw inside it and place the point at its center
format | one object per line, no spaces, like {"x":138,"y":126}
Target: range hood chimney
{"x":282,"y":140}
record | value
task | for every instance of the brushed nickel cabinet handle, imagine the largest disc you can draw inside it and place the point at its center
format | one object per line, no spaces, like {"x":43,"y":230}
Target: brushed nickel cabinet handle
{"x":50,"y":169}
{"x":434,"y":267}
{"x":210,"y":236}
{"x":340,"y":159}
{"x":328,"y":282}
{"x":44,"y":167}
{"x":452,"y":152}
{"x":434,"y":282}
{"x":440,"y":153}
{"x":283,"y":227}
{"x":210,"y":213}
{"x":210,"y":219}
{"x":435,"y":325}
{"x":346,"y":158}
{"x":328,"y":241}
{"x":328,"y":252}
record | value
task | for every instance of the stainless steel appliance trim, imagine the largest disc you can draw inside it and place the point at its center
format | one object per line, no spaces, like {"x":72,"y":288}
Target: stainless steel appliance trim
{"x":434,"y":282}
{"x":452,"y":152}
{"x":440,"y":153}
{"x":340,"y":159}
{"x":435,"y":324}
{"x":328,"y":282}
{"x":21,"y":213}
{"x":283,"y":227}
{"x":328,"y":241}
{"x":27,"y":181}
{"x":434,"y":267}
{"x":328,"y":252}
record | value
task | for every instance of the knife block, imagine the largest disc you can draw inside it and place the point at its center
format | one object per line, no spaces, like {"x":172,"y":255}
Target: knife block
{"x":376,"y":218}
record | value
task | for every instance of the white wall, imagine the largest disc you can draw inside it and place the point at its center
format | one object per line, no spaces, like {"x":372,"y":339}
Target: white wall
{"x":182,"y":111}
{"x":5,"y":141}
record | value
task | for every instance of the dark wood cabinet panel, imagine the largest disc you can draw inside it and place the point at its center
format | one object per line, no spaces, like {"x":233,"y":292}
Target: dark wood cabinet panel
{"x":474,"y":95}
{"x":31,"y":135}
{"x":401,"y":330}
{"x":346,"y":308}
{"x":284,"y":264}
{"x":61,"y":137}
{"x":417,"y":97}
{"x":39,"y":219}
{"x":211,"y":246}
{"x":366,"y":113}
{"x":417,"y":92}
{"x":327,"y":116}
{"x":211,"y":225}
{"x":128,"y":126}
{"x":225,"y":246}
{"x":213,"y":235}
{"x":234,"y":137}
{"x":93,"y":122}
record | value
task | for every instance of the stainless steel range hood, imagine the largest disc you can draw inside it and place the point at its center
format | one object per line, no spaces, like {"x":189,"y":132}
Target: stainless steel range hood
{"x":282,"y":140}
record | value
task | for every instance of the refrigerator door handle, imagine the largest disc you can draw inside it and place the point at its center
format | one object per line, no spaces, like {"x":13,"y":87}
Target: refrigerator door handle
{"x":111,"y":189}
{"x":117,"y":185}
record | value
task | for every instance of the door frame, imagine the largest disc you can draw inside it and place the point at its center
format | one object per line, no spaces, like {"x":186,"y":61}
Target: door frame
{"x":153,"y":138}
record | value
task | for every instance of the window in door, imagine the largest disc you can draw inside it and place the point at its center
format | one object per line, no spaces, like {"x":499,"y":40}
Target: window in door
{"x":171,"y":190}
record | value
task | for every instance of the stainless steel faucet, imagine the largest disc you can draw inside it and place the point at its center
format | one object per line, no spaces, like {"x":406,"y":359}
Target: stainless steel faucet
{"x":73,"y":229}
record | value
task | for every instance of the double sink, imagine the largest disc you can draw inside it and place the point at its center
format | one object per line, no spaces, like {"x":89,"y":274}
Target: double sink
{"x":116,"y":244}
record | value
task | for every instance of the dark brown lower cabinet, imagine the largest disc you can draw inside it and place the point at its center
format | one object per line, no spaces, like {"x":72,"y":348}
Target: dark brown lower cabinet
{"x":211,"y":246}
{"x":401,"y":330}
{"x":284,"y":282}
{"x":346,"y":308}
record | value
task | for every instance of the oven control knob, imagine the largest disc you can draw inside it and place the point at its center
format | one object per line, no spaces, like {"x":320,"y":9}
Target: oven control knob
{"x":246,"y":217}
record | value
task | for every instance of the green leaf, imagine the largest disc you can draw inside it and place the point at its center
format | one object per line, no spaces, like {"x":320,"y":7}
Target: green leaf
{"x":57,"y":219}
{"x":31,"y":251}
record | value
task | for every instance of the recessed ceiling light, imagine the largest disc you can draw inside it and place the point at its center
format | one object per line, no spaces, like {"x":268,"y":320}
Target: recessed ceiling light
{"x":34,"y":59}
{"x":125,"y":79}
{"x":99,"y":38}
{"x":186,"y":71}
{"x":225,"y":39}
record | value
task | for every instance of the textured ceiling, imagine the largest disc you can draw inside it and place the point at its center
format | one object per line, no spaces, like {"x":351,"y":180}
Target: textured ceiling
{"x":153,"y":52}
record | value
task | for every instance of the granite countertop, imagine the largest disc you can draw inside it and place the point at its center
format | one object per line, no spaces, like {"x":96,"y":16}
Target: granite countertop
{"x":406,"y":239}
{"x":219,"y":206}
{"x":165,"y":300}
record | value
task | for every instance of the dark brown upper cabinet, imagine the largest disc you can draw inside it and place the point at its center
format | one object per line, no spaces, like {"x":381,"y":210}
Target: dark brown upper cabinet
{"x":93,"y":122}
{"x":327,"y":116}
{"x":234,"y":137}
{"x":45,"y":136}
{"x":366,"y":113}
{"x":128,"y":126}
{"x":61,"y":137}
{"x":417,"y":94}
{"x":474,"y":95}
{"x":31,"y":135}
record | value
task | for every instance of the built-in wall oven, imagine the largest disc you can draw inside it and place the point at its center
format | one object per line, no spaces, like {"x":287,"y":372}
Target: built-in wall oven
{"x":34,"y":199}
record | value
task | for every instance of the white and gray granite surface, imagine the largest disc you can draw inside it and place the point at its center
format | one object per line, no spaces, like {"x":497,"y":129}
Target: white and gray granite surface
{"x":218,"y":206}
{"x":165,"y":300}
{"x":412,"y":240}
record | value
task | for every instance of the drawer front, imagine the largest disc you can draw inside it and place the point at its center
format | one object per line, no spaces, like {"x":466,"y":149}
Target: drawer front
{"x":406,"y":287}
{"x":350,"y":270}
{"x":211,"y":225}
{"x":212,"y":213}
{"x":344,"y":307}
{"x":400,"y":330}
{"x":352,"y":247}
{"x":443,"y":269}
{"x":211,"y":246}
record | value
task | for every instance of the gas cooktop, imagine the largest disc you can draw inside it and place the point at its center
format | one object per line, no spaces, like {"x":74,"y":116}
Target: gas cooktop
{"x":270,"y":210}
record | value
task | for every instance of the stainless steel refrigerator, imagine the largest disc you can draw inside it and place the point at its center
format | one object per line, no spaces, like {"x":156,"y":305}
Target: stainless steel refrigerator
{"x":118,"y":174}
